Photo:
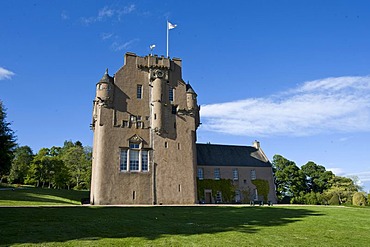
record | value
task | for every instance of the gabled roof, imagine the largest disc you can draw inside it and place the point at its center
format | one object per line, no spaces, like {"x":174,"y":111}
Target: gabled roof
{"x":225,"y":155}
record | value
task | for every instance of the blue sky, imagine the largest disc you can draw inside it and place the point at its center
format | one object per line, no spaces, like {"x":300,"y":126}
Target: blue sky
{"x":294,"y":75}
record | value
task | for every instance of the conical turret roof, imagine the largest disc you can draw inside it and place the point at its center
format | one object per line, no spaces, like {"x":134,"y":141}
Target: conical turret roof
{"x":106,"y":78}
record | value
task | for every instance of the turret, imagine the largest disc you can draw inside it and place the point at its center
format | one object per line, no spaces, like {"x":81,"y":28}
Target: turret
{"x":192,"y":104}
{"x":157,"y":100}
{"x":191,"y":98}
{"x":104,"y":90}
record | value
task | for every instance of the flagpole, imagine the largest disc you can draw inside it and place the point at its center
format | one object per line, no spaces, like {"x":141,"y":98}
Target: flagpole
{"x":167,"y":38}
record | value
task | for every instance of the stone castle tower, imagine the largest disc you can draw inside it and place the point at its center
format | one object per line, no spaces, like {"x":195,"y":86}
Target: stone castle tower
{"x":144,"y":121}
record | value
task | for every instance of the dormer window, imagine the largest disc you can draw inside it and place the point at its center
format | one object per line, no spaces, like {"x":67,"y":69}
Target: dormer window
{"x":134,"y":158}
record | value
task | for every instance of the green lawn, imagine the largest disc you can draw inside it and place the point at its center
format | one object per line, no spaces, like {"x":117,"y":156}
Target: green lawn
{"x":183,"y":226}
{"x":23,"y":196}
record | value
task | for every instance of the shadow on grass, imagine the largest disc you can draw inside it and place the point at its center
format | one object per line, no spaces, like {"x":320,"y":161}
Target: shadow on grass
{"x":36,"y":196}
{"x":60,"y":224}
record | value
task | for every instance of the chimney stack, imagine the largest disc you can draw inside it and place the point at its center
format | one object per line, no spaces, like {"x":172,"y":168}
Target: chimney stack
{"x":256,"y":144}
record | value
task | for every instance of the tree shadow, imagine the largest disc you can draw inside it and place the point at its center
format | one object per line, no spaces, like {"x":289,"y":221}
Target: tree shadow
{"x":60,"y":224}
{"x":33,"y":196}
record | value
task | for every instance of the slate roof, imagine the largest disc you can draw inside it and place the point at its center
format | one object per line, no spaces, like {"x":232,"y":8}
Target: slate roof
{"x":226,"y":155}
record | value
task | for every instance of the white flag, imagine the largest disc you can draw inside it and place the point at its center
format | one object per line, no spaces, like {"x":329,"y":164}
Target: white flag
{"x":171,"y":26}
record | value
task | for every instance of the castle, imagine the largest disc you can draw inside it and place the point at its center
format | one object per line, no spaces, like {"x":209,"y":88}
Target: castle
{"x":145,"y":119}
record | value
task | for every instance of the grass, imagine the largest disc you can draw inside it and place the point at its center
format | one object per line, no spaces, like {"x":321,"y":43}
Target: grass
{"x":27,"y":196}
{"x":183,"y":226}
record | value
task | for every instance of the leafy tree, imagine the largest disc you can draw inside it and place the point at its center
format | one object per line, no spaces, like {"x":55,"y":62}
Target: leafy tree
{"x":289,"y":179}
{"x":343,"y":188}
{"x":78,"y":163}
{"x":317,"y":178}
{"x":21,"y":163}
{"x":359,"y":199}
{"x":7,"y":144}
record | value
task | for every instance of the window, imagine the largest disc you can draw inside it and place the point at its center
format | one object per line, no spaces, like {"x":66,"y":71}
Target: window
{"x":166,"y":144}
{"x":200,"y":173}
{"x":171,"y":94}
{"x":217,"y":173}
{"x":139,"y":91}
{"x":235,"y":174}
{"x":218,"y":197}
{"x":253,"y":175}
{"x":123,"y":160}
{"x":174,"y":109}
{"x":134,"y":158}
{"x":124,"y":123}
{"x":144,"y":160}
{"x":134,"y":145}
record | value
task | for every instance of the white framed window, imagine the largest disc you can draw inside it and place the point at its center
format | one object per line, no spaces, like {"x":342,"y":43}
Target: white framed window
{"x":200,"y":173}
{"x":139,"y":91}
{"x":217,"y":174}
{"x":235,"y":174}
{"x":134,"y":158}
{"x":144,"y":160}
{"x":171,"y":94}
{"x":253,"y":175}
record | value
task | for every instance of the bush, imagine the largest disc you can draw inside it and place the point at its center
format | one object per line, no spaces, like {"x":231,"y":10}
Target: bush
{"x":359,"y":199}
{"x":334,"y":200}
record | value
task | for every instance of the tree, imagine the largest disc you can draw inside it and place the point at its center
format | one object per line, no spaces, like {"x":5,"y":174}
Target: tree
{"x":7,"y":144}
{"x":343,"y":188}
{"x":289,"y":179}
{"x":359,"y":199}
{"x":21,"y":163}
{"x":317,"y":178}
{"x":78,"y":162}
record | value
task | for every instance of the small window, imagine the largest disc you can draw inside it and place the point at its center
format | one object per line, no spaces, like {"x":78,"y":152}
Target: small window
{"x":171,"y":94}
{"x":253,"y":175}
{"x":178,"y":146}
{"x":139,"y":91}
{"x":139,"y":125}
{"x":166,"y":144}
{"x":217,"y":174}
{"x":133,"y":118}
{"x":235,"y":174}
{"x":134,"y":145}
{"x":124,"y":124}
{"x":174,"y":109}
{"x":200,"y":174}
{"x":218,"y":197}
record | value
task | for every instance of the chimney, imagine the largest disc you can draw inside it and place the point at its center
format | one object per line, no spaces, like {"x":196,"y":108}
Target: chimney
{"x":256,"y":144}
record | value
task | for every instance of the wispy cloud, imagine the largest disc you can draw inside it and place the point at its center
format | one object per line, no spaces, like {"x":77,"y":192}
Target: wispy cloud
{"x":64,"y":15}
{"x":5,"y":74}
{"x":117,"y":46}
{"x":340,"y":104}
{"x":105,"y":36}
{"x":108,"y":12}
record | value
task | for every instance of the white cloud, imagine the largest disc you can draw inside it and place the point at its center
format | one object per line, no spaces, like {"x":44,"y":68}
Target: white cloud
{"x":5,"y":74}
{"x":117,"y":46}
{"x":336,"y":170}
{"x":108,"y":12}
{"x":328,"y":105}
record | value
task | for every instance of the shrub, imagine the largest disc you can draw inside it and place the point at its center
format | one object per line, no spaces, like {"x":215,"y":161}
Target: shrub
{"x":334,"y":200}
{"x":359,"y":199}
